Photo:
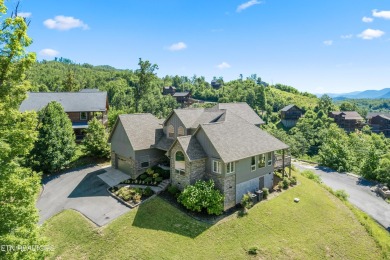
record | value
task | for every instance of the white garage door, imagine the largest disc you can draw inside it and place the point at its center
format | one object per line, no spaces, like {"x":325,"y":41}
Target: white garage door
{"x":244,"y":187}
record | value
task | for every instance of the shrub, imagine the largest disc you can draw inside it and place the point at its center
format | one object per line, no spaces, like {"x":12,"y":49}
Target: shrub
{"x":342,"y":195}
{"x":148,"y":191}
{"x":246,"y":201}
{"x":311,"y":175}
{"x":165,"y":174}
{"x":280,"y":185}
{"x":148,"y":179}
{"x":125,"y":193}
{"x":159,"y":179}
{"x":137,"y":197}
{"x":285,"y":183}
{"x":202,"y":195}
{"x":253,"y":250}
{"x":293,"y":180}
{"x":143,"y":176}
{"x":173,"y":190}
{"x":265,"y":193}
{"x":149,"y":172}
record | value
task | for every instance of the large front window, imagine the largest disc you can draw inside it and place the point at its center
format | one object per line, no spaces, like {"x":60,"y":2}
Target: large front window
{"x":180,"y":164}
{"x":83,"y":116}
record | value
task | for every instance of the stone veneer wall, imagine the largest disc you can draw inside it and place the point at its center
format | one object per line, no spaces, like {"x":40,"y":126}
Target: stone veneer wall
{"x":227,"y":185}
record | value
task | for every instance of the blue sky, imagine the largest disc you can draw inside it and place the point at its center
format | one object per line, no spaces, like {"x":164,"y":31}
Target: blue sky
{"x":316,"y":46}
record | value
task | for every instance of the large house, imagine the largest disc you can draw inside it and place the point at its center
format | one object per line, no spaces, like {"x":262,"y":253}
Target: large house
{"x":289,"y":115}
{"x":348,"y":120}
{"x":223,"y":143}
{"x":379,"y":122}
{"x":79,"y":106}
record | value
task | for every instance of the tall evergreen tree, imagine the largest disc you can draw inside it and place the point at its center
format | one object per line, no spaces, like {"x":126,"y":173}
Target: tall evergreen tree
{"x":95,"y":141}
{"x":56,"y":145}
{"x":19,"y":185}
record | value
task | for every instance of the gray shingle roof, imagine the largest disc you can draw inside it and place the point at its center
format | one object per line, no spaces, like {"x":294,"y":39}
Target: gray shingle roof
{"x":192,"y":147}
{"x":349,"y":115}
{"x":143,"y":130}
{"x":181,"y":94}
{"x":188,"y":116}
{"x":242,"y":110}
{"x":208,"y":116}
{"x":286,"y":108}
{"x":71,"y":101}
{"x":164,"y":143}
{"x":372,"y":114}
{"x":236,"y":138}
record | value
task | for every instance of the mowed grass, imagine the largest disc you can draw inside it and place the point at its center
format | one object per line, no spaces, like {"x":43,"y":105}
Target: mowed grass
{"x":319,"y":226}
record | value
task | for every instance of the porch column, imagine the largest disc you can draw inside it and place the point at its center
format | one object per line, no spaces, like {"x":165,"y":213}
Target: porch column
{"x":283,"y":162}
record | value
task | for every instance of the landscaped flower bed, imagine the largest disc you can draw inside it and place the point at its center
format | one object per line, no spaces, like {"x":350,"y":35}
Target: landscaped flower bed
{"x":131,"y":196}
{"x":153,"y":177}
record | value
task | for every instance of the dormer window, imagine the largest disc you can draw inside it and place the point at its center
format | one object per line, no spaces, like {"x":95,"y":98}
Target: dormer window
{"x":180,"y":131}
{"x":171,"y":131}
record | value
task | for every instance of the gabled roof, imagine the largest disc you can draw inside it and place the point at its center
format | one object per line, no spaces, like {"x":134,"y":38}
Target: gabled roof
{"x":372,"y":114}
{"x":71,"y":101}
{"x":348,"y":115}
{"x":387,"y":117}
{"x":187,"y":116}
{"x":164,"y":143}
{"x":208,"y":116}
{"x":142,"y":130}
{"x":286,"y":108}
{"x":242,"y":110}
{"x":191,"y":147}
{"x":181,"y":94}
{"x":170,"y":87}
{"x":236,"y":138}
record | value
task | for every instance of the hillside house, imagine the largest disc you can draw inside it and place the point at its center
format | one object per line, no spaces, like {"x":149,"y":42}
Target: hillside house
{"x":289,"y":115}
{"x":216,"y":84}
{"x":79,"y":106}
{"x":348,"y":120}
{"x":171,"y":90}
{"x":379,"y":123}
{"x":223,"y":143}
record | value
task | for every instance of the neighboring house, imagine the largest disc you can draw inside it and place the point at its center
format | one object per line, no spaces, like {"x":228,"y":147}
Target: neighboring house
{"x":379,"y":123}
{"x":183,"y":98}
{"x":169,"y":90}
{"x":290,"y":114}
{"x":216,"y":84}
{"x":223,"y":143}
{"x":348,"y":120}
{"x":80,"y":106}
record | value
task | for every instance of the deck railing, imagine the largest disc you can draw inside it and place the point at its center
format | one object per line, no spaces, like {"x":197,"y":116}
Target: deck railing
{"x":278,"y":161}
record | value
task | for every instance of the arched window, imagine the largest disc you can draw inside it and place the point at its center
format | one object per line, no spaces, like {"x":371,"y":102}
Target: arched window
{"x":180,"y":131}
{"x":180,"y":164}
{"x":171,"y":131}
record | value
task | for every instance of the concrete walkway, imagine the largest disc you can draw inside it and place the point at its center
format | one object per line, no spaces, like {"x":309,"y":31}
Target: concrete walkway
{"x":81,"y":190}
{"x":113,"y":176}
{"x":360,"y":192}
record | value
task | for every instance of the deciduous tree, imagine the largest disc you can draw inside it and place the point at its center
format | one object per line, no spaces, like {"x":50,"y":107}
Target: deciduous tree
{"x":95,"y":141}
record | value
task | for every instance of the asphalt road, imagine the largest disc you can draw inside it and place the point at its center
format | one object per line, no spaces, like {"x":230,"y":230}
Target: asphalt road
{"x":80,"y":190}
{"x":359,"y":191}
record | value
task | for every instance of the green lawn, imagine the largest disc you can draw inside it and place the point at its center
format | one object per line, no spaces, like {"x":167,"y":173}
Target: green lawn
{"x":319,"y":226}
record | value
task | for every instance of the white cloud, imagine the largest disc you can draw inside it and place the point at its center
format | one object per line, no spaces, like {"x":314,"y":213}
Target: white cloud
{"x":381,"y":14}
{"x":328,"y":42}
{"x":370,"y":34}
{"x":367,"y":19}
{"x":64,"y":23}
{"x":24,"y":14}
{"x":177,"y":46}
{"x":346,"y":36}
{"x":48,"y":53}
{"x":223,"y":65}
{"x":248,"y":4}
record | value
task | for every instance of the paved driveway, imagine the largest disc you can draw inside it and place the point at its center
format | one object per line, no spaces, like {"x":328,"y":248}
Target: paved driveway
{"x":80,"y":190}
{"x":360,"y":193}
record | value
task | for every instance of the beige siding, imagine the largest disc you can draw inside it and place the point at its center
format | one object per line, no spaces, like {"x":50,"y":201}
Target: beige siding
{"x":176,"y":122}
{"x":120,"y":144}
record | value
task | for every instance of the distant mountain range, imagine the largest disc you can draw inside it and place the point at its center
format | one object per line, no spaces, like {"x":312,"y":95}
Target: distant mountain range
{"x":369,"y":94}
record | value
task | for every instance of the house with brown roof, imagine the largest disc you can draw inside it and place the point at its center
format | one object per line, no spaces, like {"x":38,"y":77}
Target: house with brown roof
{"x":379,"y":122}
{"x":348,"y":120}
{"x":223,"y":143}
{"x":289,"y":115}
{"x":79,"y":106}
